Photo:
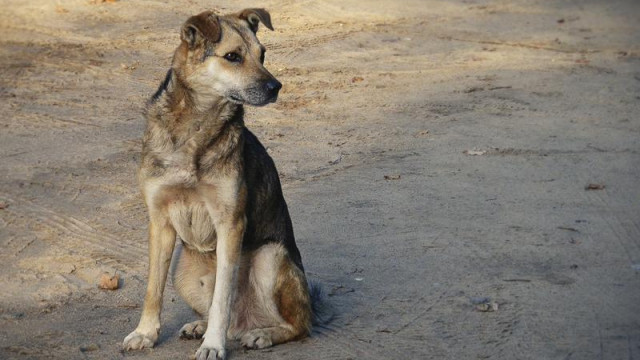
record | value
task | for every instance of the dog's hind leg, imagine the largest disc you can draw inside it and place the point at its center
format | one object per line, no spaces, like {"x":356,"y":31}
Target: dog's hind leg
{"x":282,"y":295}
{"x":193,"y":275}
{"x":193,"y":330}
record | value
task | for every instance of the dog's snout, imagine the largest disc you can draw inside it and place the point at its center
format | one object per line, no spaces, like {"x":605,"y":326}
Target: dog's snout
{"x":273,"y":86}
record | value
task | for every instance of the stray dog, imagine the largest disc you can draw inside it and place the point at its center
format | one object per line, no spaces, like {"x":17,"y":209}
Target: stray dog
{"x":207,"y":179}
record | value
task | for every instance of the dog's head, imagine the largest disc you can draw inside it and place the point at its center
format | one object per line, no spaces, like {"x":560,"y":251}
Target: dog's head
{"x":220,"y":56}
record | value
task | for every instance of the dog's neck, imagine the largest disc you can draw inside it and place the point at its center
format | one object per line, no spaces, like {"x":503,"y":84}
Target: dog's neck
{"x":180,"y":99}
{"x":192,"y":124}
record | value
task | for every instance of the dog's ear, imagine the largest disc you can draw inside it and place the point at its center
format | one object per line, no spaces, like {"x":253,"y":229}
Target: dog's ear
{"x":256,"y":16}
{"x":201,"y":27}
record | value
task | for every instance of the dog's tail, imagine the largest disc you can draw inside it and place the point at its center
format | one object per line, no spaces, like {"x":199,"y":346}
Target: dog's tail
{"x":322,"y":310}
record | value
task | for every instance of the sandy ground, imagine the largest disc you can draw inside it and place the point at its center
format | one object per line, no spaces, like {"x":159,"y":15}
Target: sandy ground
{"x":431,"y":152}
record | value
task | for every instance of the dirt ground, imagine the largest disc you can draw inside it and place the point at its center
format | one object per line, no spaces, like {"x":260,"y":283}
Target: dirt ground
{"x":434,"y":155}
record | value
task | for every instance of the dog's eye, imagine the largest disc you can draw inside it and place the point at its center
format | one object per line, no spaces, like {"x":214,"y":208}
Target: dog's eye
{"x":233,"y":57}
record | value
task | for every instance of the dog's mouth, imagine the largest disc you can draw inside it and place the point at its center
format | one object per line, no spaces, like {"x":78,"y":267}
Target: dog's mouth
{"x":263,"y":101}
{"x":253,"y":99}
{"x":271,"y":99}
{"x":236,"y":98}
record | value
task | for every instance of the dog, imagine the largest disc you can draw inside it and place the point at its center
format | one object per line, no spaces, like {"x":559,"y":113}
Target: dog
{"x":208,"y":182}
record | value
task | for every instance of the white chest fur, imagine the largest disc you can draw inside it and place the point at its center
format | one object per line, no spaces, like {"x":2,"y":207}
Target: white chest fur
{"x":193,"y":224}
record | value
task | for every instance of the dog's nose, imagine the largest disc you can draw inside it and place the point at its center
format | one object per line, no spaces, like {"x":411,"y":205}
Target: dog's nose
{"x":273,"y":86}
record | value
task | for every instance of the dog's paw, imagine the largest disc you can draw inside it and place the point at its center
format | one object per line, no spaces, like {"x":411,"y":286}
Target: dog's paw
{"x":210,"y":353}
{"x":193,"y":330}
{"x":136,"y":341}
{"x":256,"y":339}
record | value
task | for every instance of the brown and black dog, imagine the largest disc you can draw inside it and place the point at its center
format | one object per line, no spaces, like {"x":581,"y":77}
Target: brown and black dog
{"x":207,"y":179}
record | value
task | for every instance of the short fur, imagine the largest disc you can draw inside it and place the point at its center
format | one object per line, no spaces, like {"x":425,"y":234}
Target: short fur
{"x":207,"y":179}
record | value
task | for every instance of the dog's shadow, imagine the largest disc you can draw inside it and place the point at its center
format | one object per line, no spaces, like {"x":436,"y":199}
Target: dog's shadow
{"x":175,"y":313}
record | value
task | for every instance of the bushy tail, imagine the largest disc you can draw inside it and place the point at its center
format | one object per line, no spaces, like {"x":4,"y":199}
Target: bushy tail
{"x":322,"y":310}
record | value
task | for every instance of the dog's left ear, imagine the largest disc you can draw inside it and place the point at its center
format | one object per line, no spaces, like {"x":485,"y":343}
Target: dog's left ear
{"x":256,"y":16}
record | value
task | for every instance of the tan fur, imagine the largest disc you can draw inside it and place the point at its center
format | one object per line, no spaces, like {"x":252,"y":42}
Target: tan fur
{"x":194,"y":182}
{"x":270,"y":295}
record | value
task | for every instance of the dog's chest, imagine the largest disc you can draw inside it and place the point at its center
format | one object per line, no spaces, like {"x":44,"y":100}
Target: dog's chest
{"x":193,"y":223}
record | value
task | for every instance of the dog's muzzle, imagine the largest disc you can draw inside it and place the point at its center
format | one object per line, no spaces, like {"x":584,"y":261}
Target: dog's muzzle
{"x":263,"y":93}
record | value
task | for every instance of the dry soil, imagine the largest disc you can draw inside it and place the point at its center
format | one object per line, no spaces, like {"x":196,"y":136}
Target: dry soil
{"x":434,"y":155}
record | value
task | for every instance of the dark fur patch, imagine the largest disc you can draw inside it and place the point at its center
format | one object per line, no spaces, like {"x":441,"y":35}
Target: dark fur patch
{"x":204,"y":27}
{"x":255,"y":16}
{"x":321,"y":309}
{"x":163,"y":86}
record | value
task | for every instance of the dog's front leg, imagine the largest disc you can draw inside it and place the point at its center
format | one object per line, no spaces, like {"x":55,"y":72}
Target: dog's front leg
{"x":162,"y":237}
{"x":230,"y":232}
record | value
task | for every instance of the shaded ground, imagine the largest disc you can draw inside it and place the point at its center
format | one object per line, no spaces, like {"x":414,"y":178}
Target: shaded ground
{"x":547,"y":94}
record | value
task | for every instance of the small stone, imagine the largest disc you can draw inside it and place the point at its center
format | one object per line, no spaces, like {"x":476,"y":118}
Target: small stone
{"x":477,"y":300}
{"x":109,"y":282}
{"x":487,"y":307}
{"x":89,"y":348}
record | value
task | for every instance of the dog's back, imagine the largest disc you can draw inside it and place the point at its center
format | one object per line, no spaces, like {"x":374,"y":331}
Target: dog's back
{"x":267,"y":212}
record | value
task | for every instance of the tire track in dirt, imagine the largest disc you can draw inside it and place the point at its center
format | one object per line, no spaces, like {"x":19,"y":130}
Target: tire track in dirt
{"x":76,"y":235}
{"x":325,"y":24}
{"x":54,"y":33}
{"x":624,"y":229}
{"x":308,"y":42}
{"x":520,"y":45}
{"x":367,"y":345}
{"x":349,"y":342}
